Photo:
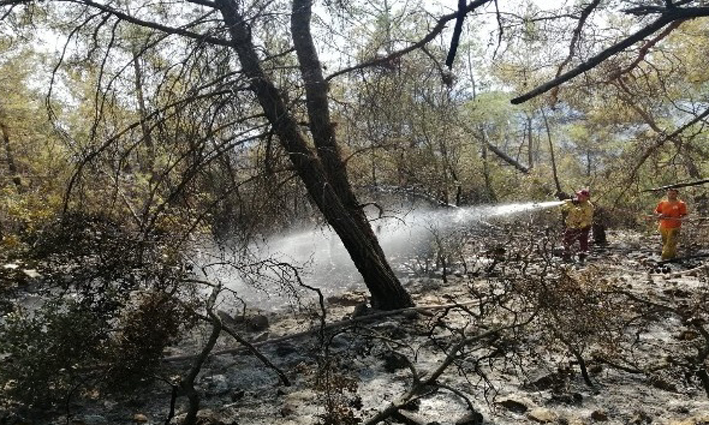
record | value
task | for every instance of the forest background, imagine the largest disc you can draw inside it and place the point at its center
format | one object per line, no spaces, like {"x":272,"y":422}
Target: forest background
{"x":135,"y":135}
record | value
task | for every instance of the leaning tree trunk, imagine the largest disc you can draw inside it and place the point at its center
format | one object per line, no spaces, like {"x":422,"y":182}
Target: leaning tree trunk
{"x":324,"y":173}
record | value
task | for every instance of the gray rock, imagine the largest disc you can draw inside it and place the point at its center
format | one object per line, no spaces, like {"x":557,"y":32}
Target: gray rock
{"x":215,"y":385}
{"x":514,"y":404}
{"x":471,"y":418}
{"x":94,"y":420}
{"x":140,"y":418}
{"x":257,"y":323}
{"x":543,"y":415}
{"x":340,"y":341}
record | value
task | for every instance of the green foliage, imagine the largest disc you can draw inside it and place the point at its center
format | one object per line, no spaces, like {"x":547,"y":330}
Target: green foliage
{"x":109,"y":302}
{"x":65,"y":349}
{"x":48,"y":351}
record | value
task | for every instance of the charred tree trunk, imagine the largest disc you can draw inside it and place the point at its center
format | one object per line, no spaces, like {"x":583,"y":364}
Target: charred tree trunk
{"x":11,"y":167}
{"x":486,"y":173}
{"x":551,"y":152}
{"x":530,"y":143}
{"x":146,"y":164}
{"x":323,"y":172}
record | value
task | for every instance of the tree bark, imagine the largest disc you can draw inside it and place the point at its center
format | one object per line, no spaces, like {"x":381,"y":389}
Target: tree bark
{"x":530,"y":143}
{"x":457,"y":30}
{"x":555,"y":174}
{"x":147,"y":162}
{"x":323,"y":173}
{"x":11,"y":167}
{"x":667,"y":16}
{"x":490,"y":190}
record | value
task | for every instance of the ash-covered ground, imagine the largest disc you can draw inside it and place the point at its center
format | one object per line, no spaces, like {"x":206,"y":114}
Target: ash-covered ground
{"x":504,"y":336}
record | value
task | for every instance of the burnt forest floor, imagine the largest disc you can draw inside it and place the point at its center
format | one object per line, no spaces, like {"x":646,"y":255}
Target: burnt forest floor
{"x":512,"y":336}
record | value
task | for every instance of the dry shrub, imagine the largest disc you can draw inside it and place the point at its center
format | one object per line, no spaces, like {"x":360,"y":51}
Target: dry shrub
{"x":155,"y":321}
{"x":47,"y":351}
{"x":105,"y":308}
{"x":339,"y":394}
{"x":576,"y":312}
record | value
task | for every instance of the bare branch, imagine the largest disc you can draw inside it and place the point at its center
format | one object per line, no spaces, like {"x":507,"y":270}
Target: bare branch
{"x":667,"y":16}
{"x":140,"y":22}
{"x":662,"y":141}
{"x":432,"y":377}
{"x":508,"y":159}
{"x":575,"y":38}
{"x":8,"y":12}
{"x":594,"y":61}
{"x":646,"y":48}
{"x":669,"y":186}
{"x":456,"y":34}
{"x":437,"y":29}
{"x":281,"y":375}
{"x":204,"y":3}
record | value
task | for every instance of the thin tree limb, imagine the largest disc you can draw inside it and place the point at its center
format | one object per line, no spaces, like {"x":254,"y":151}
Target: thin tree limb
{"x":430,"y":379}
{"x":140,"y":22}
{"x":508,"y":159}
{"x":555,"y":174}
{"x":668,"y":16}
{"x":253,"y":350}
{"x":662,"y":141}
{"x":574,"y":40}
{"x":676,"y":185}
{"x":335,"y":325}
{"x":437,"y":29}
{"x":645,"y":49}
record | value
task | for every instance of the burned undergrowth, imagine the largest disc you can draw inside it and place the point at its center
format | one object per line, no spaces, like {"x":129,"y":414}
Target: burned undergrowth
{"x":503,"y":332}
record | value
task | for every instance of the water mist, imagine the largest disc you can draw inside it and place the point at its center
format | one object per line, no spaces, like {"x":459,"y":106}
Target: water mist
{"x":324,"y":263}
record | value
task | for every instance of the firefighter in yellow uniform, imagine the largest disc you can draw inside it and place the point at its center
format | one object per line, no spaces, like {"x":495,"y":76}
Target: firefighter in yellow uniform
{"x":579,"y":218}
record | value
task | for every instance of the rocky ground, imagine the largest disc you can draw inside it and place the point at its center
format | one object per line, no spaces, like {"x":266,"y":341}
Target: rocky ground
{"x":512,"y":350}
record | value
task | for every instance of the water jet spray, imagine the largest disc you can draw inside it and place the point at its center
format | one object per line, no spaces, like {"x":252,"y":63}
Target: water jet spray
{"x":327,"y":265}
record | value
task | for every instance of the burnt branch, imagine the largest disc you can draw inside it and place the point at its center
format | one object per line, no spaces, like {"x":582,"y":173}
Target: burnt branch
{"x":188,"y":384}
{"x":661,"y":188}
{"x":437,"y":29}
{"x":667,"y":16}
{"x":431,"y":378}
{"x":253,"y":350}
{"x":645,"y":49}
{"x":575,"y":39}
{"x":456,"y":34}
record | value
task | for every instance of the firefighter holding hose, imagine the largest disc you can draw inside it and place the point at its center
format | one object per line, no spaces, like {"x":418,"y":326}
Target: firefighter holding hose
{"x":578,"y":213}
